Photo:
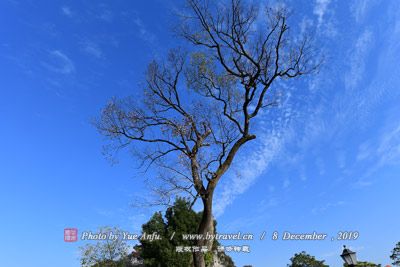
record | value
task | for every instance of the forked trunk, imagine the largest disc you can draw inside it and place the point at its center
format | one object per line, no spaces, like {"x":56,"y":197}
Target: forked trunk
{"x":206,"y":227}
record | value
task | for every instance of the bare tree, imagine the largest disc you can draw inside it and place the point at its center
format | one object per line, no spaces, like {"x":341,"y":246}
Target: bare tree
{"x":199,"y":106}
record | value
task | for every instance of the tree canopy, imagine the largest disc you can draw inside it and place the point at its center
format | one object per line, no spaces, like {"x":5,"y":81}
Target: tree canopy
{"x":395,"y":257}
{"x":303,"y":259}
{"x":179,"y":219}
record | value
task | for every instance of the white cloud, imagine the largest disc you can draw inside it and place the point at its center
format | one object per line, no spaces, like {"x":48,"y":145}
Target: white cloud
{"x":358,"y":58}
{"x":326,"y":21}
{"x":341,"y":159}
{"x":328,"y":206}
{"x":93,"y":49}
{"x":320,"y":9}
{"x":360,"y":8}
{"x":106,"y":15}
{"x":385,"y":151}
{"x":364,"y":151}
{"x":272,"y":202}
{"x":251,"y":167}
{"x":286,"y":183}
{"x":66,"y":11}
{"x":363,"y":182}
{"x":142,"y":31}
{"x":274,"y":131}
{"x":330,"y":120}
{"x":389,"y":148}
{"x":102,"y":12}
{"x":320,"y":164}
{"x":305,"y":25}
{"x":59,"y":62}
{"x":271,"y":188}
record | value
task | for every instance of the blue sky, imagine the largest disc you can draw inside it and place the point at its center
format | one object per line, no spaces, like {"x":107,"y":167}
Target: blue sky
{"x":327,"y":160}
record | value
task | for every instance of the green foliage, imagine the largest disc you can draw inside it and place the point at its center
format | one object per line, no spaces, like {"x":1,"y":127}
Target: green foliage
{"x":208,"y":258}
{"x":395,"y":257}
{"x":304,"y":260}
{"x":181,"y":219}
{"x":154,"y":251}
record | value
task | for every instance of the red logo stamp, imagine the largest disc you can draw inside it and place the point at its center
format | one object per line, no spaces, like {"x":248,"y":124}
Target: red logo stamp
{"x":70,"y":234}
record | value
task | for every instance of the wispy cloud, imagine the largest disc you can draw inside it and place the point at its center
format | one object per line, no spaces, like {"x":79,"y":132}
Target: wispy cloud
{"x":66,"y":11}
{"x":358,"y":58}
{"x":320,"y":9}
{"x":385,"y":151}
{"x":286,"y":183}
{"x":360,"y":8}
{"x":92,"y":49}
{"x":104,"y":13}
{"x":59,"y":62}
{"x":388,"y":150}
{"x":251,"y":167}
{"x":365,"y":151}
{"x":363,"y":182}
{"x":142,"y":31}
{"x":324,"y":119}
{"x":325,"y":207}
{"x":326,"y":23}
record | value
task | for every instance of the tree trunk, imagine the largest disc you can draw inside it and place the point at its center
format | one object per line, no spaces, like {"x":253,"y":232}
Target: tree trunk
{"x":206,"y":226}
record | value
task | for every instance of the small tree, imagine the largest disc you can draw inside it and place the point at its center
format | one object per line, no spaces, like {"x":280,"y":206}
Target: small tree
{"x":105,"y":253}
{"x":304,"y":260}
{"x":396,"y":255}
